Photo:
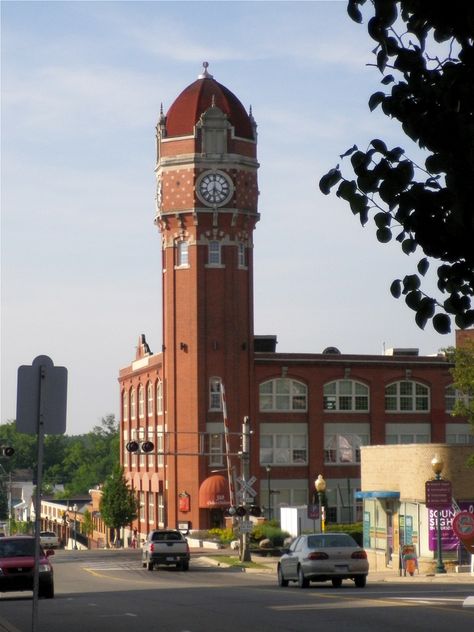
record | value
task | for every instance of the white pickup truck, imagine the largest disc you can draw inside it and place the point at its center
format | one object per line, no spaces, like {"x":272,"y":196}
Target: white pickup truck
{"x":166,"y":547}
{"x":49,"y":540}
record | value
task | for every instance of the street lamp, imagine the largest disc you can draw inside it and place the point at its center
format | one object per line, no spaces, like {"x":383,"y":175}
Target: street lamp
{"x":320,"y":486}
{"x":269,"y":469}
{"x":74,"y":508}
{"x":437,"y":464}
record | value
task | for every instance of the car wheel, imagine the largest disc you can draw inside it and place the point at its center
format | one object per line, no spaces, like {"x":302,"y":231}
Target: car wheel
{"x":360,"y":581}
{"x":303,"y":582}
{"x":183,"y":566}
{"x":149,"y":566}
{"x":281,"y":580}
{"x":47,"y":592}
{"x":336,"y":582}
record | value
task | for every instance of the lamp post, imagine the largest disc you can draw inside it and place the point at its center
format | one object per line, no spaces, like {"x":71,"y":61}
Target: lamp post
{"x":269,"y":491}
{"x":320,"y":486}
{"x":74,"y":508}
{"x":437,"y":464}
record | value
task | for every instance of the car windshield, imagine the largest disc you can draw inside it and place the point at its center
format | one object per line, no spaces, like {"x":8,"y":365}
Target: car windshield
{"x":330,"y":540}
{"x":17,"y":548}
{"x":166,"y":535}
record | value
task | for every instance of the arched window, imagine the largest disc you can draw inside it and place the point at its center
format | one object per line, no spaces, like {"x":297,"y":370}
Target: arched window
{"x":159,"y":397}
{"x":407,"y":396}
{"x":149,"y":390}
{"x":133,"y":404}
{"x":215,"y":400}
{"x":346,"y":395}
{"x":141,"y":401}
{"x":283,"y":394}
{"x":125,"y":405}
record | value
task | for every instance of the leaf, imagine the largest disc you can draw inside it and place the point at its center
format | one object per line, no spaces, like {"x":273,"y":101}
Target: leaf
{"x":396,"y":288}
{"x":331,"y":178}
{"x":358,"y":203}
{"x":384,"y":234}
{"x":379,"y":146}
{"x":442,"y":323}
{"x":349,"y":152}
{"x":409,"y":245}
{"x":423,"y":266}
{"x":353,"y":12}
{"x":388,"y":79}
{"x":382,"y":219}
{"x":375,"y":100}
{"x":346,"y":190}
{"x":411,"y":282}
{"x":413,"y":299}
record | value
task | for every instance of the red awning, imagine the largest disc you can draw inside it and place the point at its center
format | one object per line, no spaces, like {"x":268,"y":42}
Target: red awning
{"x":214,"y":492}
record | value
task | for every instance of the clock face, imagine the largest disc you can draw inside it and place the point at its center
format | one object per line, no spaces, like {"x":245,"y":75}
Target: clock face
{"x":215,"y":188}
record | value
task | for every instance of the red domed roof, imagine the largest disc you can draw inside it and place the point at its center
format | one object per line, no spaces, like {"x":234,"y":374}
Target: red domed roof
{"x":184,"y":113}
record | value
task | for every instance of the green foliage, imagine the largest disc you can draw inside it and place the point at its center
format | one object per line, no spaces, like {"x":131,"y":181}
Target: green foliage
{"x":429,"y":67}
{"x":78,"y":462}
{"x":463,"y":379}
{"x":270,"y":531}
{"x":119,"y":505}
{"x":355,"y":530}
{"x":225,"y":536}
{"x":3,"y":502}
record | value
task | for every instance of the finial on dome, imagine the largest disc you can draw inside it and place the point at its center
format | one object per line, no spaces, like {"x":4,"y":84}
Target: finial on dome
{"x":205,"y":74}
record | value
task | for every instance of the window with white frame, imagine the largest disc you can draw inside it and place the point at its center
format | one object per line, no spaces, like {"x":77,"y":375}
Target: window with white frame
{"x":214,"y":253}
{"x":149,"y":391}
{"x":216,"y":449}
{"x":283,"y":395}
{"x":182,"y":253}
{"x":151,"y":507}
{"x":133,"y":455}
{"x":407,"y":396}
{"x":160,"y":446}
{"x":459,"y":434}
{"x":133,"y":404}
{"x":159,"y":397}
{"x":151,"y":457}
{"x":125,"y":406}
{"x":342,"y":442}
{"x":451,"y":396}
{"x":407,"y":433}
{"x":141,"y":401}
{"x":283,"y":444}
{"x":241,"y":255}
{"x":215,"y":399}
{"x":346,"y":395}
{"x":141,"y":501}
{"x":125,"y":451}
{"x":161,"y":508}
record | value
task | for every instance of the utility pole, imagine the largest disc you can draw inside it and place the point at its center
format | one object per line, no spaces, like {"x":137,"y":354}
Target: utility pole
{"x":244,"y":520}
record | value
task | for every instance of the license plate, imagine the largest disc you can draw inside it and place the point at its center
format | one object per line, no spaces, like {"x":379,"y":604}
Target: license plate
{"x":171,"y":559}
{"x":342,"y":567}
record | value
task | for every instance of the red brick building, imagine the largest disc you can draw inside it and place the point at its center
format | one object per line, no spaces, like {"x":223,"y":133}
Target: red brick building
{"x":309,"y":413}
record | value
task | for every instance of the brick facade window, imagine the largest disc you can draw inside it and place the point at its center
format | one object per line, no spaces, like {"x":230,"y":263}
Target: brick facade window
{"x":283,"y":394}
{"x":141,"y":401}
{"x":214,"y":253}
{"x":283,"y":449}
{"x":407,"y":396}
{"x":182,"y":253}
{"x":346,"y":395}
{"x":159,"y":397}
{"x":133,"y":404}
{"x":215,"y":400}
{"x":149,"y":390}
{"x":125,"y":406}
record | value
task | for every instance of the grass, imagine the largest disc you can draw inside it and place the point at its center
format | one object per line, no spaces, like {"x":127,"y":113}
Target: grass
{"x":234,"y":561}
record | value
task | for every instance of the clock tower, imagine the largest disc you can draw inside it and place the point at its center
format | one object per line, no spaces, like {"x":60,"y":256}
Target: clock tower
{"x":206,"y":212}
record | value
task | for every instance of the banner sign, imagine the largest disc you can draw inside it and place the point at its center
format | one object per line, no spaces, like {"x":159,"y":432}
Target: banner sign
{"x":449,"y":540}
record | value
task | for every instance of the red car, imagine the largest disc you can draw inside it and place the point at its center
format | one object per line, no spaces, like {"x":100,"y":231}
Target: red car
{"x":17,"y":561}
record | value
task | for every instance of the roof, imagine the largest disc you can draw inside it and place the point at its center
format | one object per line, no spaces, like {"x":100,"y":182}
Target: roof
{"x":198,"y":97}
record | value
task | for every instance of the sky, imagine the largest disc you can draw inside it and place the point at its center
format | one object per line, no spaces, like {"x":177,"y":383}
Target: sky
{"x":82,"y":84}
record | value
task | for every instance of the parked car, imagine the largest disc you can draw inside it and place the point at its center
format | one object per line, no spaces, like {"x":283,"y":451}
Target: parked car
{"x":166,"y":547}
{"x":321,"y":557}
{"x":17,"y":561}
{"x":49,"y":540}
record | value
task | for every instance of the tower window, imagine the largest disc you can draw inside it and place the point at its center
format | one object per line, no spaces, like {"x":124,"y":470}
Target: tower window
{"x":214,"y":253}
{"x":182,"y":258}
{"x":215,"y":402}
{"x":242,"y":255}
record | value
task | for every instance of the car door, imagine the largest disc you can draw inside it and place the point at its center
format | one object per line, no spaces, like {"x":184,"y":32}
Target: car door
{"x":289,"y":563}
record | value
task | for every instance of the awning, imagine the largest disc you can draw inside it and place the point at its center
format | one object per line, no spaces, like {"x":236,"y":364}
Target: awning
{"x":214,"y":492}
{"x":376,"y":494}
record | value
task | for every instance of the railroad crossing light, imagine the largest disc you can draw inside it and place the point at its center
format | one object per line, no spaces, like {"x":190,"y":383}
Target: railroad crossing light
{"x":255,"y":511}
{"x":241,"y":511}
{"x":232,"y":511}
{"x":132,"y":446}
{"x":7,"y":450}
{"x":147,"y":446}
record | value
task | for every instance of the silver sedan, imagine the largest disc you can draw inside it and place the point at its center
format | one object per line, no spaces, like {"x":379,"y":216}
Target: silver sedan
{"x":320,"y":557}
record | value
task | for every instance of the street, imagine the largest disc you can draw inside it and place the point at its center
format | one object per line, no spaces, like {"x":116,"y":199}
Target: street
{"x":97,"y":590}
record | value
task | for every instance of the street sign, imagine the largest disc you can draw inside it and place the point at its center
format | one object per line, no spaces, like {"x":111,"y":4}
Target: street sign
{"x":463,"y":524}
{"x":439,"y":494}
{"x":313,"y":512}
{"x":245,"y":526}
{"x":41,"y":396}
{"x":246,"y":486}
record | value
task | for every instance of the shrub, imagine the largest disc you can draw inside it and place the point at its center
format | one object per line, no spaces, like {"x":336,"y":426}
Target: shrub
{"x":271,"y":531}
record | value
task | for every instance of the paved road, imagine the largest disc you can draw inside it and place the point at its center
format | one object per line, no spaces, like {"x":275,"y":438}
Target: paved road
{"x":97,"y":591}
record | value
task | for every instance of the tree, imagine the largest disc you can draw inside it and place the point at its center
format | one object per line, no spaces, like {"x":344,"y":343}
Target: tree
{"x":463,"y":379}
{"x":118,"y":505}
{"x":425,"y":53}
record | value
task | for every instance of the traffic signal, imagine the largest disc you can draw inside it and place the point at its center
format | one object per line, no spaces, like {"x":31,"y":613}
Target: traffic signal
{"x":7,"y":450}
{"x":147,"y":446}
{"x":232,"y":511}
{"x":144,"y":446}
{"x":241,"y":512}
{"x":132,"y":446}
{"x":255,"y":511}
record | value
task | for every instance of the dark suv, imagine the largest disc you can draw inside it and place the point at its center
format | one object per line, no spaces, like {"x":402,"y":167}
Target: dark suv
{"x":17,"y":562}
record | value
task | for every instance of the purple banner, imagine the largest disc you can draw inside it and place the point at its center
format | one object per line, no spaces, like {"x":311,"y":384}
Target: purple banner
{"x":449,"y":540}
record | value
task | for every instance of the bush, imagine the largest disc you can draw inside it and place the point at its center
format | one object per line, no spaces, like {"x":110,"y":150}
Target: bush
{"x":270,"y":531}
{"x":354,"y":529}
